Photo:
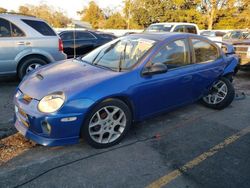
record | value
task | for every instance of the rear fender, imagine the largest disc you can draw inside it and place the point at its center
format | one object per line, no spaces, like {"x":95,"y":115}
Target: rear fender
{"x":233,"y":62}
{"x":230,"y":57}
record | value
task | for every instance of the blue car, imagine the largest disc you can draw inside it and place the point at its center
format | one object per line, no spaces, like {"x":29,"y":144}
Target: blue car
{"x":98,"y":96}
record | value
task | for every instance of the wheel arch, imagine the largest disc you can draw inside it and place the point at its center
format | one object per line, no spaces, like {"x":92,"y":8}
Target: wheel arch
{"x":23,"y":59}
{"x":122,"y":98}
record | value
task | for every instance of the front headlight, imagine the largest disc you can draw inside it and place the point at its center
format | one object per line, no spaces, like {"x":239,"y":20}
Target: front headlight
{"x":52,"y":102}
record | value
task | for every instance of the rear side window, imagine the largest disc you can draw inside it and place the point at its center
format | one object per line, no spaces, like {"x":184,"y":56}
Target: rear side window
{"x":5,"y":30}
{"x":84,"y":36}
{"x":67,"y":36}
{"x":41,"y":27}
{"x":16,"y":32}
{"x":191,"y":29}
{"x":204,"y":51}
{"x":179,"y":28}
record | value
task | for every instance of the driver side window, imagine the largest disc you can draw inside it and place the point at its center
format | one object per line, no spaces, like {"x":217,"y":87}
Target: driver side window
{"x":174,"y":54}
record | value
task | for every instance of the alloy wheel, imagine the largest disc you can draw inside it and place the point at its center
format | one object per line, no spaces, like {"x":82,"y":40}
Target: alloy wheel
{"x":107,"y":124}
{"x":218,"y":93}
{"x":32,"y":67}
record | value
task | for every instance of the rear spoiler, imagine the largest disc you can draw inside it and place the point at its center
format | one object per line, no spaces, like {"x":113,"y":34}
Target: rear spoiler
{"x":226,"y":47}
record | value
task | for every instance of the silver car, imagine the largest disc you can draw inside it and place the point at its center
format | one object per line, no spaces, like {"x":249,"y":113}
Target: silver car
{"x":26,"y":43}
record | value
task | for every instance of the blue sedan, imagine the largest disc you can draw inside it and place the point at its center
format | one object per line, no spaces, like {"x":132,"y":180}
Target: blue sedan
{"x":100,"y":95}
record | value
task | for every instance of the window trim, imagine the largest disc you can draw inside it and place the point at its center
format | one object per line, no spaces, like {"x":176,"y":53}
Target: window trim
{"x":24,"y":20}
{"x":193,"y":57}
{"x":179,"y":26}
{"x":186,"y":29}
{"x":11,"y":23}
{"x":165,"y":44}
{"x":95,"y":38}
{"x":18,"y":28}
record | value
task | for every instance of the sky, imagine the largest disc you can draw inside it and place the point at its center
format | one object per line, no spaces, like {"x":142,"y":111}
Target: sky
{"x":70,"y":7}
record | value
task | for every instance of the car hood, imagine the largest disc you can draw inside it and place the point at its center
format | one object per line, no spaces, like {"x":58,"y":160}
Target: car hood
{"x":243,"y":42}
{"x":237,"y":41}
{"x":70,"y":77}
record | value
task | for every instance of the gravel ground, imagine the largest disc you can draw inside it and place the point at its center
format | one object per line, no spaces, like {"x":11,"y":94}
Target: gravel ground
{"x":13,"y":146}
{"x":7,"y":88}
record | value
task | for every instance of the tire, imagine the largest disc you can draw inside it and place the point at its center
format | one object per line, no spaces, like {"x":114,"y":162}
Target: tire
{"x":26,"y":64}
{"x":111,"y":120}
{"x":227,"y":98}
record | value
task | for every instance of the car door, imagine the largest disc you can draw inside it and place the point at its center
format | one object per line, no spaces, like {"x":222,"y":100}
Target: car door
{"x":85,"y":42}
{"x":209,"y":65}
{"x":160,"y":92}
{"x":68,"y":43}
{"x":12,"y":42}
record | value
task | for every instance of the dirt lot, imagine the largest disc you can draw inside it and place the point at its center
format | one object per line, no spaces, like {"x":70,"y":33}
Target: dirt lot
{"x":189,"y":147}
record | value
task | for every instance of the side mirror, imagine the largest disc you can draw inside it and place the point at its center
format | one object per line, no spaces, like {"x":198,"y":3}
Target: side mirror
{"x":156,"y":68}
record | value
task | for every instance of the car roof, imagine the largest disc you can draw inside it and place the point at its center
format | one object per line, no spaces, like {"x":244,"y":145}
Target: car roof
{"x":174,"y":23}
{"x":161,"y":36}
{"x":18,"y":16}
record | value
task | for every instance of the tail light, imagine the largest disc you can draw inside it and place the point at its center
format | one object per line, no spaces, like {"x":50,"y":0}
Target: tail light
{"x":60,"y":45}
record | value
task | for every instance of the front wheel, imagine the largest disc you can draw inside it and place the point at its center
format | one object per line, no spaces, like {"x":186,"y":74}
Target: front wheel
{"x":29,"y":65}
{"x":220,"y":96}
{"x":107,"y":124}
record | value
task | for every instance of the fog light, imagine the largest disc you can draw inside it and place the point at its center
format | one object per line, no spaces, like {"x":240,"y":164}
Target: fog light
{"x":46,"y":127}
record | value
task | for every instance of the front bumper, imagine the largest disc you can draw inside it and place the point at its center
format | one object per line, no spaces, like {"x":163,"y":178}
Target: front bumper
{"x":30,"y":123}
{"x":43,"y":140}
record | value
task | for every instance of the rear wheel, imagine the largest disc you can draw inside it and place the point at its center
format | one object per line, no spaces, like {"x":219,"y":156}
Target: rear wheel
{"x":30,"y":65}
{"x":107,"y":124}
{"x":220,"y":96}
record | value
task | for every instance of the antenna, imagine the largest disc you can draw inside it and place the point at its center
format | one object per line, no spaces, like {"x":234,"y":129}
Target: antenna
{"x":74,"y":38}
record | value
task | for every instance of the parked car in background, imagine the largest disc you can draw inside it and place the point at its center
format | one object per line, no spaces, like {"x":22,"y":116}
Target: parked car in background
{"x":241,"y":42}
{"x":210,"y":33}
{"x":132,"y":78}
{"x":81,"y":42}
{"x":235,"y":36}
{"x":173,"y":27}
{"x":26,"y":43}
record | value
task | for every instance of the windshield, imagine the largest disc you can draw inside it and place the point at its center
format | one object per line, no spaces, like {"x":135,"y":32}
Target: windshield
{"x":120,"y":54}
{"x":236,"y":35}
{"x":159,"y":28}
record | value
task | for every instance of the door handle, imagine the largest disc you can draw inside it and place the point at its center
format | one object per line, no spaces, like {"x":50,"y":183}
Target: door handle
{"x":23,"y":43}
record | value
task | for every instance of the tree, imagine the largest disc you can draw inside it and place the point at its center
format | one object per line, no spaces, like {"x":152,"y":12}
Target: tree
{"x":93,"y":14}
{"x":3,"y":10}
{"x":115,"y":21}
{"x":212,"y":9}
{"x":56,"y":18}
